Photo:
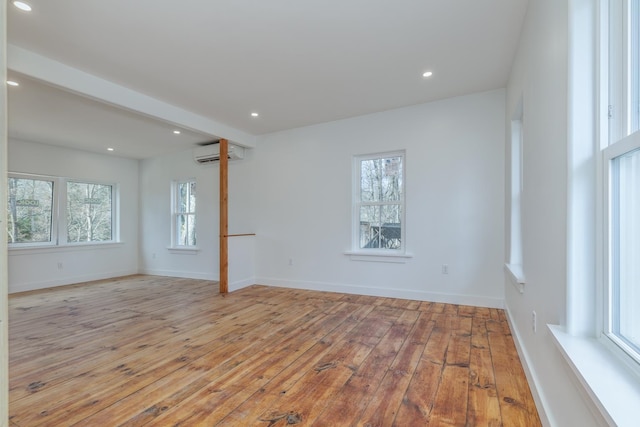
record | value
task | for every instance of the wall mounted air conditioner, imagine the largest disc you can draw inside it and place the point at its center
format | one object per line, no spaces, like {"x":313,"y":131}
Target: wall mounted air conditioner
{"x":211,"y":153}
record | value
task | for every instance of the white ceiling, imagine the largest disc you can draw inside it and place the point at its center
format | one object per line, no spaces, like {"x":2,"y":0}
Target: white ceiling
{"x":296,"y":62}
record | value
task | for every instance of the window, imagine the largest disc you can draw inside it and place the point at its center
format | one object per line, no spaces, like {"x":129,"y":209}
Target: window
{"x":184,"y":213}
{"x":379,"y":203}
{"x":514,"y":265}
{"x":30,"y":211}
{"x":622,"y":180}
{"x":34,"y":218}
{"x":89,"y":212}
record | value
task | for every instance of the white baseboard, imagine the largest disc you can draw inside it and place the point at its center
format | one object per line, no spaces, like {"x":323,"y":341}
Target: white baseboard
{"x":177,"y":273}
{"x":239,"y":284}
{"x":69,"y":280}
{"x":532,"y":378}
{"x":478,"y":301}
{"x":233,"y":286}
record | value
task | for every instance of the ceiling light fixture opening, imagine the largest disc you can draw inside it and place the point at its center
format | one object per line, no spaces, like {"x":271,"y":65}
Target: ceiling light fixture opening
{"x":254,"y":114}
{"x":427,"y":74}
{"x":109,"y":149}
{"x":12,"y":83}
{"x":177,"y":132}
{"x":22,"y":6}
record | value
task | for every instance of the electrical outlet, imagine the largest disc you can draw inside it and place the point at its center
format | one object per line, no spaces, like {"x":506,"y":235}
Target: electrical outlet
{"x":534,"y":321}
{"x":290,"y":261}
{"x":445,"y":268}
{"x":59,"y":266}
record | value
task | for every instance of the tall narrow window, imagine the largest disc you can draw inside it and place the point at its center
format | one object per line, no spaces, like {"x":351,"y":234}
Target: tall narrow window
{"x":514,"y":264}
{"x":515,"y":255}
{"x":30,"y":209}
{"x":184,"y":217}
{"x":379,"y":202}
{"x":89,"y":212}
{"x":622,"y":180}
{"x":624,"y":241}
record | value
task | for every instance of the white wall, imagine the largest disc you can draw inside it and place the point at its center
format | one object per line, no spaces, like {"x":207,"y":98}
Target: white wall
{"x":4,"y":287}
{"x":294,"y":191}
{"x":38,"y":268}
{"x":540,"y":78}
{"x":454,"y":196}
{"x":156,"y":176}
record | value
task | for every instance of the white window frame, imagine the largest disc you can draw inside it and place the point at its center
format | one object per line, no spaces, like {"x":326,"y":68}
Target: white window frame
{"x":175,"y":244}
{"x":59,"y":213}
{"x":377,"y":254}
{"x":115,"y":229}
{"x":624,"y":146}
{"x":54,"y":211}
{"x":514,"y":265}
{"x":623,"y":136}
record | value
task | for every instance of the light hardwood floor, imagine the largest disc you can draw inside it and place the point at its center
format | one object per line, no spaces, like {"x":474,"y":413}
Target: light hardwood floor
{"x":146,"y":350}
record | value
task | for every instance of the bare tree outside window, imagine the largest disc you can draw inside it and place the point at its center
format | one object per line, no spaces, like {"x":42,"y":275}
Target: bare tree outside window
{"x":381,"y":200}
{"x":89,"y":212}
{"x":185,"y":213}
{"x":30,"y":206}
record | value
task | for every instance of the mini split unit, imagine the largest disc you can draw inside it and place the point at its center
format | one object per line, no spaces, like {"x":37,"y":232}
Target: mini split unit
{"x":211,"y":153}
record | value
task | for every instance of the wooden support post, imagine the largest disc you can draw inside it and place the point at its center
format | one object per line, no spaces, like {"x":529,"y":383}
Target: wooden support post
{"x":224,"y":216}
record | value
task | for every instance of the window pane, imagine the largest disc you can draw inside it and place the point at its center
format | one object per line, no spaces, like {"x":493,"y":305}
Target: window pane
{"x":186,"y":229}
{"x":186,"y":197}
{"x":380,"y":227}
{"x":369,"y":227}
{"x":29,"y":210}
{"x":381,"y":179}
{"x":391,"y":234}
{"x":89,"y":209}
{"x":626,"y":247}
{"x":192,"y":197}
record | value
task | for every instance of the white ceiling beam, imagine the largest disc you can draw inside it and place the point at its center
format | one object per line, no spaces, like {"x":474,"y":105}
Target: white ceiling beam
{"x":61,"y":75}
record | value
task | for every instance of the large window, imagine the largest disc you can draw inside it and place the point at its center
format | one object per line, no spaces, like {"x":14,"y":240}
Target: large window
{"x":622,"y":179}
{"x":184,"y":213}
{"x":30,"y":211}
{"x":89,"y":212}
{"x":379,"y":202}
{"x":35,"y":219}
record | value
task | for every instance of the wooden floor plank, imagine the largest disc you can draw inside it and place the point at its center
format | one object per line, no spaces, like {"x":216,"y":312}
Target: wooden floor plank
{"x":484,"y":406}
{"x":383,"y":408}
{"x":149,"y":350}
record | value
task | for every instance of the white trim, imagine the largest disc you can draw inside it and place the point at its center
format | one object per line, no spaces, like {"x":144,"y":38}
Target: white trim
{"x":532,"y":378}
{"x":478,"y":301}
{"x":184,"y":250}
{"x":178,"y":273}
{"x":69,"y":247}
{"x":613,"y":389}
{"x":379,"y":256}
{"x":239,"y":284}
{"x":69,"y":280}
{"x":516,"y":274}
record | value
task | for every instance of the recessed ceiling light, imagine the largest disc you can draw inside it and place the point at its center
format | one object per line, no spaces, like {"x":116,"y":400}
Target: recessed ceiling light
{"x":427,"y":74}
{"x":177,"y":132}
{"x":109,"y":149}
{"x":254,"y":114}
{"x":12,"y":83}
{"x":22,"y":6}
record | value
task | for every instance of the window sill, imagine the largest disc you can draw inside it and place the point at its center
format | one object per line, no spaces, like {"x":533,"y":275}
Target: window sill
{"x":69,"y":247}
{"x":190,"y":250}
{"x":611,"y":385}
{"x":516,"y":274}
{"x":398,"y":258}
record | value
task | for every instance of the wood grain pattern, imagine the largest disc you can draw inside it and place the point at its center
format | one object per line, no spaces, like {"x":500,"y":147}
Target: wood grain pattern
{"x":224,"y":216}
{"x":157,"y":351}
